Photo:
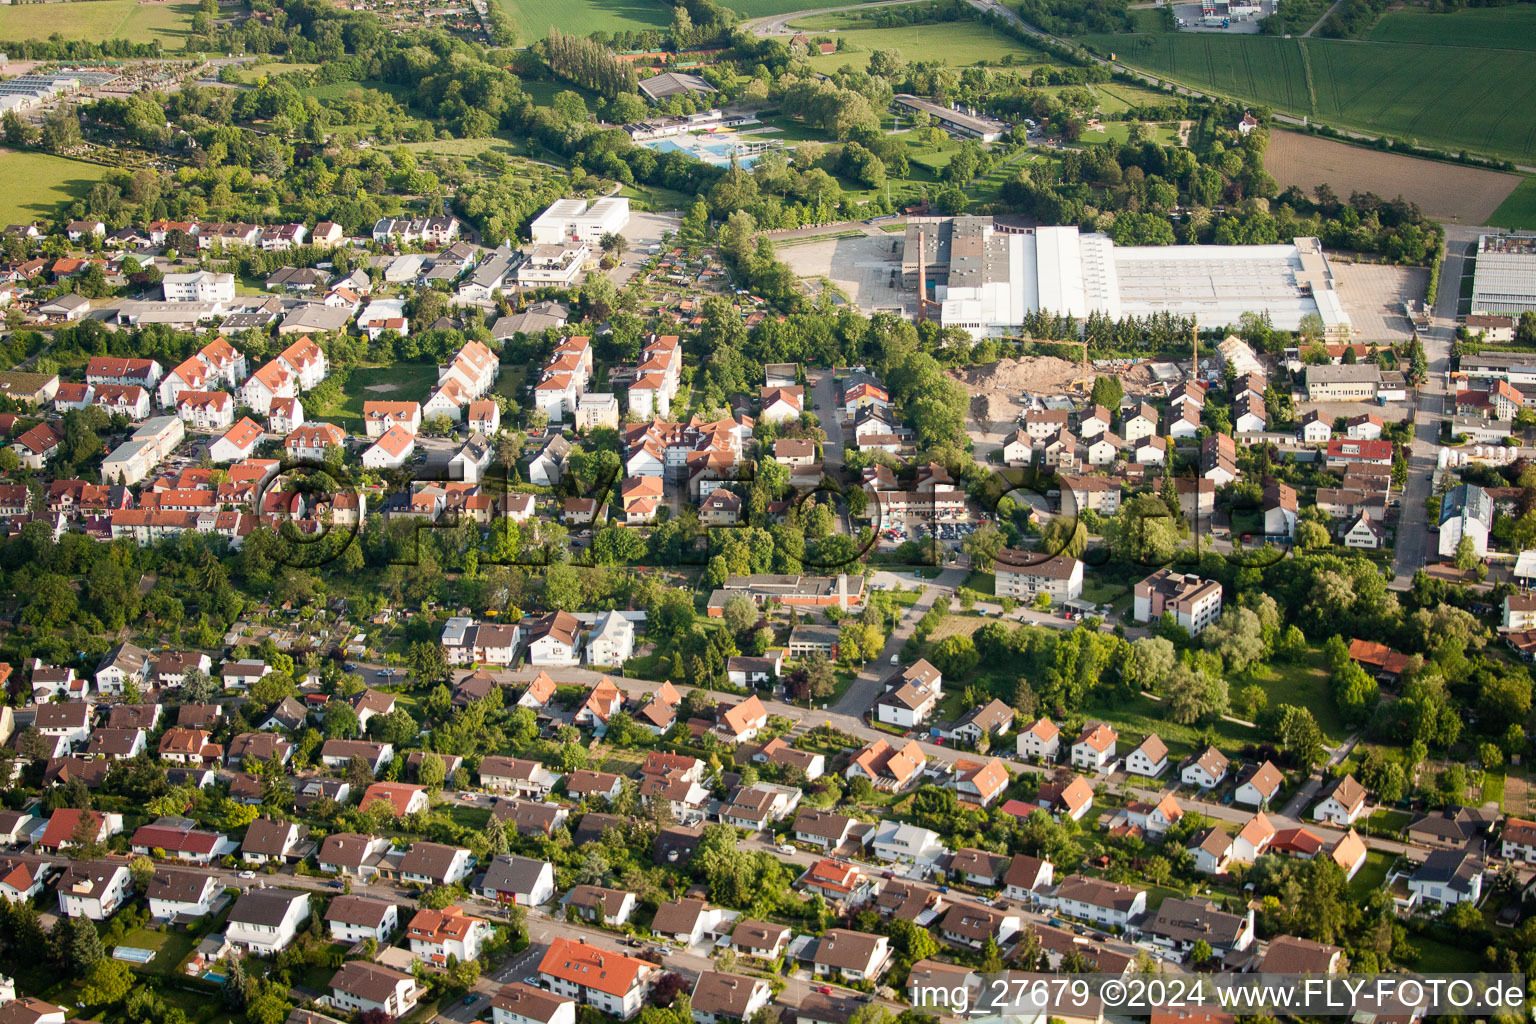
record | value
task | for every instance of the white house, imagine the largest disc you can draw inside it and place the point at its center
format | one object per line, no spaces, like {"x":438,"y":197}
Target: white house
{"x":519,"y":881}
{"x":1093,"y":899}
{"x":94,"y":889}
{"x":1150,"y":758}
{"x":265,"y":921}
{"x":236,"y":443}
{"x":1448,"y":877}
{"x":1342,"y":802}
{"x":199,"y":286}
{"x":520,"y":1003}
{"x":437,"y":935}
{"x":356,"y":918}
{"x":613,"y":983}
{"x":1094,"y":748}
{"x":172,"y":893}
{"x":361,"y":986}
{"x":719,"y":997}
{"x":554,"y":639}
{"x":1206,"y":770}
{"x":391,"y":451}
{"x":1039,"y":741}
{"x":612,"y":641}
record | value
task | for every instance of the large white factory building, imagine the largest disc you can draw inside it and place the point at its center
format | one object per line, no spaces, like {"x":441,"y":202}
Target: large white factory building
{"x":986,"y":278}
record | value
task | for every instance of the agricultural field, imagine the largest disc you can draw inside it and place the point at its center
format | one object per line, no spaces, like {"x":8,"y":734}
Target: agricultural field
{"x":534,"y":18}
{"x":1518,"y":210}
{"x":958,"y":44}
{"x":1499,"y":28}
{"x":1466,"y":195}
{"x":1478,"y":99}
{"x":767,"y":8}
{"x":170,"y":23}
{"x":34,"y":185}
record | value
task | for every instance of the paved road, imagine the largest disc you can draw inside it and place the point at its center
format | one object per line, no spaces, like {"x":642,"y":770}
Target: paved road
{"x":824,"y":405}
{"x":860,"y":697}
{"x":1414,"y":541}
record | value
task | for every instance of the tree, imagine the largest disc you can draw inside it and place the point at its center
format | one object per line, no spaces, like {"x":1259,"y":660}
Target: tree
{"x":1466,"y":555}
{"x":955,"y":656}
{"x":107,"y":983}
{"x":562,"y":587}
{"x":1108,"y":392}
{"x":428,"y":661}
{"x":1299,"y":734}
{"x":740,"y":613}
{"x":431,"y":772}
{"x":496,"y":842}
{"x":1237,"y":636}
{"x":1195,"y":695}
{"x":142,"y":870}
{"x":821,"y":683}
{"x":268,"y":1008}
{"x":1149,"y":663}
{"x":983,"y":544}
{"x":85,"y":949}
{"x":340,"y":720}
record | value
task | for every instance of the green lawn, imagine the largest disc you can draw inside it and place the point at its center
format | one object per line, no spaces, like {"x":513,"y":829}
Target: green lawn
{"x":1099,"y":592}
{"x":253,"y":73}
{"x":175,"y":944}
{"x":1371,"y":876}
{"x":534,"y":18}
{"x":401,"y":382}
{"x":1483,"y":100}
{"x":956,"y":43}
{"x":1518,"y":210}
{"x":1305,"y":685}
{"x":1436,"y":957}
{"x":98,"y":20}
{"x":1118,"y":132}
{"x":34,"y":185}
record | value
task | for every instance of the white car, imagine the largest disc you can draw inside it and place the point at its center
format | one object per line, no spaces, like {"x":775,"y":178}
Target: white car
{"x":785,"y":848}
{"x":247,"y":874}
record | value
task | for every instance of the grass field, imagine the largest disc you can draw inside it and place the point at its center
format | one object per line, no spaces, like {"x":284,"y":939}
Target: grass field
{"x":1477,"y":99}
{"x":958,"y":44}
{"x":1518,"y":209}
{"x":1499,"y":28}
{"x":253,"y":73}
{"x":1305,"y":685}
{"x":100,"y":19}
{"x":32,"y":185}
{"x":400,"y":382}
{"x":534,"y":18}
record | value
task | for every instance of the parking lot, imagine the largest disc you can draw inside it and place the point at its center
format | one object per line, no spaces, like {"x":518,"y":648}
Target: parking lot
{"x":643,"y":231}
{"x":1189,"y":20}
{"x":1373,"y":296}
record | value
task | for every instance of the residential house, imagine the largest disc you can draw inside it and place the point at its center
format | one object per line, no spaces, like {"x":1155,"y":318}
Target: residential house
{"x":265,"y":921}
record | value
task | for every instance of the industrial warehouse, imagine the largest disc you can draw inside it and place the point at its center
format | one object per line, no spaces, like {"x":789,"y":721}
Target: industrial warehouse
{"x":1504,"y":277}
{"x":985,"y":277}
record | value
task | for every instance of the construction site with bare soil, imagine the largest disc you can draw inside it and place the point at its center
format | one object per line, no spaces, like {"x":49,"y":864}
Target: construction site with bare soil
{"x":1000,"y":386}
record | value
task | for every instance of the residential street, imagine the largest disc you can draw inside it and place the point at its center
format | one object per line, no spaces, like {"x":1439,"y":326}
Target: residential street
{"x":1414,"y":540}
